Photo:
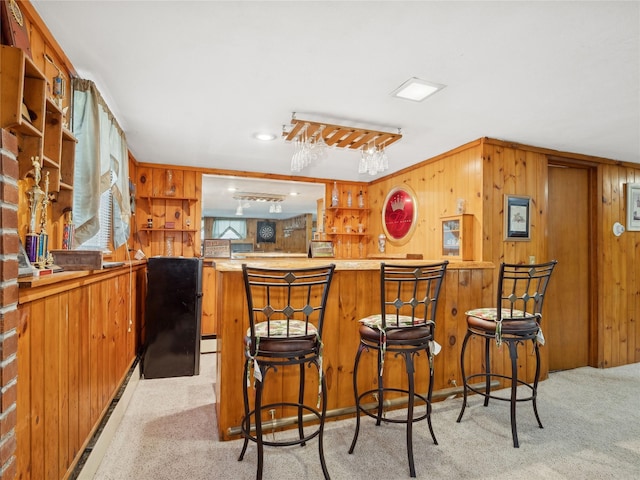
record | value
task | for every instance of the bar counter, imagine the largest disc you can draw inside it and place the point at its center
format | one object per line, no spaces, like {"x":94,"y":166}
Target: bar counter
{"x":354,"y":294}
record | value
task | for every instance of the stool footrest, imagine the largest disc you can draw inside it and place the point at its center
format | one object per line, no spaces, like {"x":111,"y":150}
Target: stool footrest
{"x":476,"y":388}
{"x":364,"y":408}
{"x":273,"y":424}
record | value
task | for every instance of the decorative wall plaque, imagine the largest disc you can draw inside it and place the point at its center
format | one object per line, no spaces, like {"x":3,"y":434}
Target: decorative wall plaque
{"x":399,"y":214}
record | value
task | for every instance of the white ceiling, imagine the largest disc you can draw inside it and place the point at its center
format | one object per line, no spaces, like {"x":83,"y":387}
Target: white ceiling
{"x":190,"y":82}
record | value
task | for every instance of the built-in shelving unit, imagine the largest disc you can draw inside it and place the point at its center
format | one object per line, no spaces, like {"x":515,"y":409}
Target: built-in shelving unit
{"x":38,"y":123}
{"x":346,"y":219}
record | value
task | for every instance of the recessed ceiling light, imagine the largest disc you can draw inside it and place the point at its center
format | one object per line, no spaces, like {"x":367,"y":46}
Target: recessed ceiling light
{"x":265,"y":137}
{"x":416,"y":89}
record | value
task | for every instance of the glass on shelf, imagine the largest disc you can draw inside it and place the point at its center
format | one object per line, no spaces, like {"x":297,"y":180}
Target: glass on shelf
{"x":169,"y":247}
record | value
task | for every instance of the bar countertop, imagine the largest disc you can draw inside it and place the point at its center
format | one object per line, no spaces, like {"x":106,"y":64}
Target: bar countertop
{"x":230,"y":265}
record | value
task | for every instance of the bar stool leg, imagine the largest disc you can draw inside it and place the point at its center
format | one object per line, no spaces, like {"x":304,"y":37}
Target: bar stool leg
{"x":300,"y":402}
{"x":535,"y":383}
{"x":464,"y":376}
{"x":487,"y":370}
{"x":246,"y":419}
{"x":355,"y":391}
{"x":321,"y":434}
{"x":408,"y":360}
{"x":429,"y":396}
{"x":380,"y":386}
{"x":513,"y":353}
{"x":258,"y":423}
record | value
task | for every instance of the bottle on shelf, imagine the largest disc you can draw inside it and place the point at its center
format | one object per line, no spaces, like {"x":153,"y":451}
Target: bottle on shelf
{"x":360,"y":199}
{"x":349,"y":200}
{"x":334,"y":195}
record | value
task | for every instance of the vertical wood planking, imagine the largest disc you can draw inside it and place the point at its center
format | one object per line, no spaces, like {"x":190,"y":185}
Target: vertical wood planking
{"x":64,"y":431}
{"x":74,"y":387}
{"x":73,"y":351}
{"x":51,"y":392}
{"x":24,"y":396}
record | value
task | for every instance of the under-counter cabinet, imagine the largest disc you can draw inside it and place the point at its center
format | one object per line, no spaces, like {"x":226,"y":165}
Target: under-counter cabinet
{"x":457,"y":237}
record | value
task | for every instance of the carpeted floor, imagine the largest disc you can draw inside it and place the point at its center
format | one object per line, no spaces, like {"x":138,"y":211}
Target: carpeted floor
{"x":591,"y":419}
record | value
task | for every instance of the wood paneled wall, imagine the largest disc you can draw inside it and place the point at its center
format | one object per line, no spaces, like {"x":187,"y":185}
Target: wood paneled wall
{"x":618,"y":271}
{"x":481,"y":173}
{"x":437,"y":184}
{"x":77,"y":340}
{"x":185,"y":214}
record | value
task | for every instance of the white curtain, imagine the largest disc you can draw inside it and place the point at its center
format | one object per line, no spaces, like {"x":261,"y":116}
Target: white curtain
{"x":229,"y":228}
{"x":101,"y":164}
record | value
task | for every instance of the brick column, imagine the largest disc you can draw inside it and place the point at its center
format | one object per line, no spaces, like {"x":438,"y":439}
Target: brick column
{"x":8,"y":303}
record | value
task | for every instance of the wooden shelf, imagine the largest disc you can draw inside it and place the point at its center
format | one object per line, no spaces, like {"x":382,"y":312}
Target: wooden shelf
{"x":354,"y":209}
{"x":150,"y":199}
{"x":352,"y":234}
{"x":147,"y":229}
{"x":23,"y":84}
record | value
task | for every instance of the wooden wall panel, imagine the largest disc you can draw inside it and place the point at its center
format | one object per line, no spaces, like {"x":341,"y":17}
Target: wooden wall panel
{"x":619,"y":306}
{"x":209,"y":323}
{"x":438,"y":184}
{"x":74,"y":349}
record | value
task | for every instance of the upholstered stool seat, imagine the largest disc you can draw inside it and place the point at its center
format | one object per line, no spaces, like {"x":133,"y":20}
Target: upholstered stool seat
{"x":513,"y":322}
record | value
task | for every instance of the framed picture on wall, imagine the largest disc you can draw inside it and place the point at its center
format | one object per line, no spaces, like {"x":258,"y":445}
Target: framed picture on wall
{"x":517,"y":219}
{"x":216,"y":248}
{"x":633,"y":207}
{"x":319,"y":249}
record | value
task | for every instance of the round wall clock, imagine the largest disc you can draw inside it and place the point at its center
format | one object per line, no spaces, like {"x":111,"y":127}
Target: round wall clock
{"x":399,"y":214}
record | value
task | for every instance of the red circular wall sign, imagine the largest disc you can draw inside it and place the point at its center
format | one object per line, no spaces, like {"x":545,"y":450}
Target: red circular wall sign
{"x":399,"y":213}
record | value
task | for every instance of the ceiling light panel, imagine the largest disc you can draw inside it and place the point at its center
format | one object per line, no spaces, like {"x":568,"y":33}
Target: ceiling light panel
{"x":416,"y":89}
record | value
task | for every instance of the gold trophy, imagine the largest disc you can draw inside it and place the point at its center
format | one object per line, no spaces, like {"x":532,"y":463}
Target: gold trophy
{"x":35,"y":195}
{"x":43,"y":239}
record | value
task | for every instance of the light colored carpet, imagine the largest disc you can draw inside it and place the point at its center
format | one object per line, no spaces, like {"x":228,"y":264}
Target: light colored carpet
{"x":591,"y":419}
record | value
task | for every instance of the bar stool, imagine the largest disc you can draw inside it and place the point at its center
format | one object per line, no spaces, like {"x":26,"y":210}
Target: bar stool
{"x":286,"y":316}
{"x":515,"y":319}
{"x":404,"y":327}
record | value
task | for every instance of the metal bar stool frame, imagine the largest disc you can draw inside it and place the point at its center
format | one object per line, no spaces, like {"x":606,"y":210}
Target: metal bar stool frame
{"x":403,"y":288}
{"x":281,"y":333}
{"x":515,"y":320}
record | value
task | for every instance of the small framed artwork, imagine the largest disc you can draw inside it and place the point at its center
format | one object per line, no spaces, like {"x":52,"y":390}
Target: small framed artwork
{"x":517,"y":219}
{"x":216,"y":248}
{"x":320,"y":249}
{"x":633,"y":207}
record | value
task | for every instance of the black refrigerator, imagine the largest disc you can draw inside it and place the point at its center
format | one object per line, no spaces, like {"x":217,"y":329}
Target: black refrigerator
{"x":173,"y":316}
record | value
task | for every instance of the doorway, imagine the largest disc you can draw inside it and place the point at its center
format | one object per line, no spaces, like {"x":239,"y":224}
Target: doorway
{"x":569,"y":300}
